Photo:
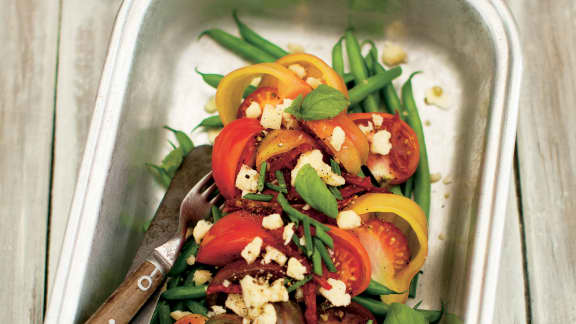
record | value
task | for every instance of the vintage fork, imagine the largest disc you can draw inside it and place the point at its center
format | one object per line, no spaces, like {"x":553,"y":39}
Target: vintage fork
{"x":129,"y":297}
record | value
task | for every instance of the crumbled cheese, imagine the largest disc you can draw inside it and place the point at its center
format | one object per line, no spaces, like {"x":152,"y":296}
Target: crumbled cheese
{"x":381,"y":171}
{"x":381,"y":142}
{"x":275,"y":255}
{"x":271,"y":117}
{"x":338,"y":137}
{"x":314,"y":158}
{"x":257,"y":294}
{"x":200,"y":230}
{"x":378,"y":120}
{"x":247,"y":179}
{"x":246,"y":321}
{"x":302,"y":241}
{"x":435,"y":177}
{"x":367,"y":129}
{"x":288,"y":233}
{"x":337,"y":294}
{"x":216,"y":310}
{"x":176,"y":315}
{"x":212,"y":134}
{"x":191,"y":260}
{"x":288,"y":120}
{"x":272,"y":222}
{"x":254,"y":110}
{"x":447,"y":180}
{"x":393,"y":54}
{"x":201,"y":277}
{"x":299,"y":294}
{"x":226,"y":283}
{"x":256,"y":81}
{"x":268,"y":315}
{"x":295,"y":269}
{"x":324,"y":317}
{"x":313,"y":82}
{"x":252,"y":250}
{"x":348,"y":219}
{"x":210,"y":106}
{"x":435,"y":96}
{"x":295,"y":48}
{"x":298,"y":69}
{"x":235,"y":303}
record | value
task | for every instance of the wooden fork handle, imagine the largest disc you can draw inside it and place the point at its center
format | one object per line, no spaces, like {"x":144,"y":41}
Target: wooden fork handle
{"x":127,"y":299}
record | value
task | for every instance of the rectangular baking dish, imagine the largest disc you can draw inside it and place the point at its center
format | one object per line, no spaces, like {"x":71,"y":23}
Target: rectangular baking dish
{"x":468,"y":47}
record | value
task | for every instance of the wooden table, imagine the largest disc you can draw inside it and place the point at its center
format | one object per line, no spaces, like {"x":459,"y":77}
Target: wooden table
{"x":52,"y":56}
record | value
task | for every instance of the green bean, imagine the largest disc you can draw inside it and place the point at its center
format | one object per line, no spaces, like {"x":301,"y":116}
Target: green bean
{"x":377,"y":289}
{"x":189,"y":280}
{"x":338,"y":57}
{"x":335,"y":192}
{"x":291,"y":211}
{"x":324,"y":237}
{"x":299,"y":283}
{"x":395,"y":189}
{"x":355,"y":108}
{"x":370,"y":66}
{"x":317,"y":261}
{"x":262,"y":176}
{"x":196,"y":307}
{"x":422,"y":175}
{"x":181,"y":293}
{"x":409,"y":187}
{"x":372,"y":84}
{"x":325,"y":255}
{"x":370,"y":322}
{"x":258,"y":197}
{"x":275,"y":187}
{"x":308,"y":237}
{"x":377,"y":307}
{"x":216,"y":213}
{"x":179,"y":306}
{"x":238,"y":46}
{"x":348,"y":77}
{"x":260,"y":42}
{"x":155,"y":318}
{"x":180,"y":263}
{"x":164,"y":313}
{"x":335,"y":167}
{"x":281,"y":181}
{"x":173,"y":282}
{"x":358,"y":68}
{"x":214,"y":79}
{"x":414,"y":285}
{"x":296,"y":241}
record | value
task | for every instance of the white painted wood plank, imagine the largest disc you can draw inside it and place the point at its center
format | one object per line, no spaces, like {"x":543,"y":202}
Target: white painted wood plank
{"x":510,"y":300}
{"x":27,"y":76}
{"x":85,"y":32}
{"x":547,"y":155}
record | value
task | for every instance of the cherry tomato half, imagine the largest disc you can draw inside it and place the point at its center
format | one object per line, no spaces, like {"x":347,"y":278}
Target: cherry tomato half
{"x":263,"y":96}
{"x":192,"y":319}
{"x":281,"y":141}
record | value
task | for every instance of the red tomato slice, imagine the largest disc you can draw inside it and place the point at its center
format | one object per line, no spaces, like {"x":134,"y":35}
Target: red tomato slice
{"x":235,"y":145}
{"x":404,"y":156}
{"x":263,"y":96}
{"x":352,"y":314}
{"x":351,"y":260}
{"x":228,"y":237}
{"x":389,"y":251}
{"x":192,"y":319}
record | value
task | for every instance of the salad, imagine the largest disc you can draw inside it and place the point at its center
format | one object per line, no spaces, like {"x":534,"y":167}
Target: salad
{"x":326,"y":185}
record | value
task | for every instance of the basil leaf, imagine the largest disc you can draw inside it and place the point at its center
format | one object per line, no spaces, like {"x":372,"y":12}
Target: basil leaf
{"x":323,"y":102}
{"x":172,"y":161}
{"x":314,"y":191}
{"x":183,"y":140}
{"x":295,"y":107}
{"x":403,"y":314}
{"x":211,"y":122}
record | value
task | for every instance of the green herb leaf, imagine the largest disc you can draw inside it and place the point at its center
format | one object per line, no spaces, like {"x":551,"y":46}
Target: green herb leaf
{"x":172,"y":161}
{"x":403,"y":314}
{"x":295,"y":107}
{"x":323,"y":102}
{"x":183,"y":140}
{"x":211,"y":122}
{"x":314,"y":191}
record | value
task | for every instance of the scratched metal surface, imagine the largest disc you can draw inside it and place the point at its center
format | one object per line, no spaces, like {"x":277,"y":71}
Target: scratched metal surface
{"x":149,"y":81}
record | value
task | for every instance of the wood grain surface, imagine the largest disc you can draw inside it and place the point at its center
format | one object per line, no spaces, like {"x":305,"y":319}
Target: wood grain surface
{"x":52,"y":58}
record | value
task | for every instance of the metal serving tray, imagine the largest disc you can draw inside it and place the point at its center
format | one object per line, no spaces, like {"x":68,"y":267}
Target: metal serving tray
{"x":469,"y":47}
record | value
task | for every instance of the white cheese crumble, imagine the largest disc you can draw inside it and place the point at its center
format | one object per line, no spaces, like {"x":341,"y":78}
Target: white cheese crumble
{"x":273,"y":254}
{"x":338,"y":137}
{"x":257,"y":294}
{"x":191,"y":260}
{"x":252,"y":250}
{"x":381,"y":142}
{"x":216,"y":310}
{"x":314,"y":158}
{"x":295,"y":269}
{"x":288,"y":121}
{"x":298,"y":69}
{"x":348,"y":219}
{"x":268,"y":315}
{"x":378,"y":120}
{"x":254,"y":110}
{"x":210,"y":106}
{"x":271,"y":117}
{"x":367,"y":129}
{"x":235,"y":303}
{"x":176,"y":315}
{"x":435,"y":177}
{"x":200,"y":230}
{"x":288,"y":233}
{"x":272,"y":222}
{"x":201,"y":277}
{"x":247,"y":179}
{"x":337,"y":294}
{"x":381,"y":171}
{"x":435,"y":96}
{"x":313,"y":82}
{"x":226,"y":283}
{"x":393,"y":54}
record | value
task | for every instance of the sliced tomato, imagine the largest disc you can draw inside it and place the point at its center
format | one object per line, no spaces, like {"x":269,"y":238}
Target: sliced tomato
{"x":402,"y":161}
{"x":352,"y":314}
{"x":281,"y":141}
{"x":263,"y":96}
{"x":234,"y":146}
{"x":227,"y":238}
{"x":351,"y":260}
{"x":355,"y":135}
{"x":192,"y":319}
